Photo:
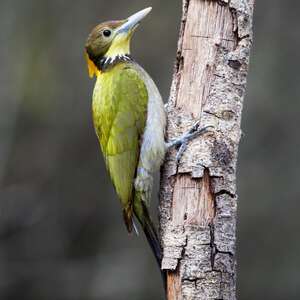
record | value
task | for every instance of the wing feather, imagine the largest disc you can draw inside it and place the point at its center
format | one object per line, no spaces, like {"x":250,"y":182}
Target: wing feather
{"x":119,"y":112}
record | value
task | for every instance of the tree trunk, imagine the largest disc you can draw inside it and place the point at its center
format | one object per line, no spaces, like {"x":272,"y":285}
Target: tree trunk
{"x":198,"y":198}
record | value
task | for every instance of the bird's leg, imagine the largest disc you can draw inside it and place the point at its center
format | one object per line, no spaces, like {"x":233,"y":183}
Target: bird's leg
{"x":182,"y":142}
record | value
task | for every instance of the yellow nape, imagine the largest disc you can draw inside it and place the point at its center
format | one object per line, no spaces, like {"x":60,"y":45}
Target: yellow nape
{"x":120,"y":45}
{"x":92,"y":69}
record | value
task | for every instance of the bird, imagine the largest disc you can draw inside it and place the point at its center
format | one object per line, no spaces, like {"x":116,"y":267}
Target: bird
{"x":129,"y":120}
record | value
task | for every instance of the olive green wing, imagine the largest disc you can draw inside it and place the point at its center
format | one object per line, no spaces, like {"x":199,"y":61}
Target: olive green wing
{"x":119,"y":127}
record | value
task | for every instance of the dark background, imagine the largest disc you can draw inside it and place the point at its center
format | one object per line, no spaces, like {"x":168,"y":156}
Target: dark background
{"x":61,"y":231}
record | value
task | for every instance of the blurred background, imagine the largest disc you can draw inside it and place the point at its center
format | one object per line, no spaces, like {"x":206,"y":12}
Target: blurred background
{"x":61,"y":231}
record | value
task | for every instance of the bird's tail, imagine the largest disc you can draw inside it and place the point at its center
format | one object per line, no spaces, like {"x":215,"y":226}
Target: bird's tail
{"x":142,"y":214}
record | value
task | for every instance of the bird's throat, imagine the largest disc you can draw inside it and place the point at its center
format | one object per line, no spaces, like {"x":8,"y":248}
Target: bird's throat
{"x":96,"y":65}
{"x":119,"y":51}
{"x":108,"y":61}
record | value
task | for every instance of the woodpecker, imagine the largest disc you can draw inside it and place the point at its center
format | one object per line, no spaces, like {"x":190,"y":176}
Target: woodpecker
{"x":129,"y":120}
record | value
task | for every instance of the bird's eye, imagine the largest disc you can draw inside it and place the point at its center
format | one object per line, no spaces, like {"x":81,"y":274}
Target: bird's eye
{"x":107,"y":32}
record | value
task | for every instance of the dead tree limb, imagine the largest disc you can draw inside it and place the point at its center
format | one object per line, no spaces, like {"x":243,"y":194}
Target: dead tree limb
{"x":198,"y":198}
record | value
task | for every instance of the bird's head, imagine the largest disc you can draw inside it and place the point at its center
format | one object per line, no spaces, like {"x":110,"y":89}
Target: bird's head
{"x":110,"y":41}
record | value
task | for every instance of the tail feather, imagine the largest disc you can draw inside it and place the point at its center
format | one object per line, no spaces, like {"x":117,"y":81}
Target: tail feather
{"x":142,"y":214}
{"x":151,"y":235}
{"x":135,"y":228}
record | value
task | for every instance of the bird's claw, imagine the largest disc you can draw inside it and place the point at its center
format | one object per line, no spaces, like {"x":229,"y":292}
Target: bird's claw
{"x":183,"y":141}
{"x":180,"y":152}
{"x":194,"y":127}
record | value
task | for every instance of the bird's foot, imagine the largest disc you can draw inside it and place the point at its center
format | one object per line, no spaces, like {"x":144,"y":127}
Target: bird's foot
{"x":182,"y":142}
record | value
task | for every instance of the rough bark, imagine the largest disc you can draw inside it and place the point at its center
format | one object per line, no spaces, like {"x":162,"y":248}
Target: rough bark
{"x":198,"y":197}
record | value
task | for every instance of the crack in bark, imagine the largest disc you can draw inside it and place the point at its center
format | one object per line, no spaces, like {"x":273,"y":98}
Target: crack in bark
{"x":179,"y":63}
{"x":225,"y":192}
{"x":212,"y":38}
{"x":212,"y":246}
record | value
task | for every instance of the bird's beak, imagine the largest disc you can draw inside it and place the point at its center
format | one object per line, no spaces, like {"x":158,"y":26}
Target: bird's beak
{"x":133,"y":21}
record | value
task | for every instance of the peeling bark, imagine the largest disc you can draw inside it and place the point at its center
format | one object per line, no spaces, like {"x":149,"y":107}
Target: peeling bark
{"x":198,"y":198}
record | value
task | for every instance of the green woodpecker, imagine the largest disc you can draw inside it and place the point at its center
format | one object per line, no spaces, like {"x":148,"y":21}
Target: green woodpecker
{"x":129,"y":119}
